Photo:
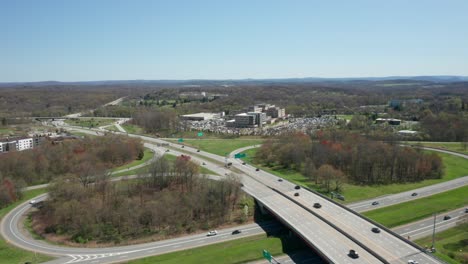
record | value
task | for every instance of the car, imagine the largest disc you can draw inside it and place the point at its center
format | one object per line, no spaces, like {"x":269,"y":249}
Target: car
{"x":466,"y":210}
{"x":375,"y":230}
{"x":341,"y":197}
{"x":235,"y":232}
{"x":296,"y":194}
{"x":375,"y":203}
{"x":353,"y":254}
{"x":167,"y":150}
{"x":32,"y":202}
{"x":280,"y":180}
{"x":414,"y":194}
{"x":412,"y":262}
{"x":243,"y":163}
{"x":257,"y":169}
{"x":203,"y":163}
{"x":212,"y":233}
{"x":297,"y":187}
{"x":447,"y":217}
{"x":317,"y":205}
{"x":183,"y":146}
{"x":198,"y":150}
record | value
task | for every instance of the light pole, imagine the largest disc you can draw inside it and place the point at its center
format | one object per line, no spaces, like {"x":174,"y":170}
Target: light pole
{"x":433,"y":234}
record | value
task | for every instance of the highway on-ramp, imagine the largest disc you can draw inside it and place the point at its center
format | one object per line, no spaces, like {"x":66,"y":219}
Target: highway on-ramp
{"x":331,"y":230}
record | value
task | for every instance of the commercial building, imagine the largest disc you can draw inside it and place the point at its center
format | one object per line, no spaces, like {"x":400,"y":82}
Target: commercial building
{"x":276,"y":112}
{"x":390,"y":121}
{"x":24,"y":143}
{"x":18,"y":144}
{"x":255,"y":108}
{"x":244,"y":120}
{"x":202,"y":116}
{"x":260,"y":118}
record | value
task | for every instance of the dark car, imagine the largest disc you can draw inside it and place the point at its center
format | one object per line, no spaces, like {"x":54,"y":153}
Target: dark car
{"x":341,"y":197}
{"x":182,"y":146}
{"x":466,"y":210}
{"x":375,"y":230}
{"x":317,"y":205}
{"x":235,"y":232}
{"x":353,"y":254}
{"x":167,"y":150}
{"x":280,"y":180}
{"x":243,"y":163}
{"x":296,"y":194}
{"x":297,"y":187}
{"x":414,"y":194}
{"x":447,"y":217}
{"x":257,"y":169}
{"x":198,"y":150}
{"x":375,"y":203}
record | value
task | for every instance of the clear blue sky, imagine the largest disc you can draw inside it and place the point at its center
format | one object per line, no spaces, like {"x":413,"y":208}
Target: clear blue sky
{"x":175,"y":39}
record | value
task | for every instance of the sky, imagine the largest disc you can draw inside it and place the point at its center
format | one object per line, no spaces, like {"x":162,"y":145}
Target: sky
{"x":90,"y":40}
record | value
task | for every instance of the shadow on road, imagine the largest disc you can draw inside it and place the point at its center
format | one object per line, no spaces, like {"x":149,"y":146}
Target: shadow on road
{"x":294,"y":247}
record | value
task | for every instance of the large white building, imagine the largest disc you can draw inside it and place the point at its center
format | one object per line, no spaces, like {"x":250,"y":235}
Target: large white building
{"x":18,"y":144}
{"x":202,"y":116}
{"x":24,"y":143}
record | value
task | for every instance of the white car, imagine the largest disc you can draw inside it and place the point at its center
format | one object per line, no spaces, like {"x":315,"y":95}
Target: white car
{"x":212,"y":233}
{"x":412,"y":262}
{"x":32,"y":202}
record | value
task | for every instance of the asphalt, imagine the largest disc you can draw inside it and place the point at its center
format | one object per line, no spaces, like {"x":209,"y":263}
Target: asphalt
{"x":311,"y":227}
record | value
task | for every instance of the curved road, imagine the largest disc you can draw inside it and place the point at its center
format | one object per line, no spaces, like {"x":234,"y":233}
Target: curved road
{"x":10,"y":229}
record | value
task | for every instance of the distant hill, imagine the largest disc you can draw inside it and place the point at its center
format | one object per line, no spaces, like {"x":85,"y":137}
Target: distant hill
{"x":429,"y":78}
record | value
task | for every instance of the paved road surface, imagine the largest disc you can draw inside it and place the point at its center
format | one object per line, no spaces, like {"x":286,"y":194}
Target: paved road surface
{"x":311,"y":227}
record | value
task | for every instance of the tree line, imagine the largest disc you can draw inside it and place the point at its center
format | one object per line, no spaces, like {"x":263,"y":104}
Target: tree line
{"x":174,"y":199}
{"x":331,"y":158}
{"x":80,"y":158}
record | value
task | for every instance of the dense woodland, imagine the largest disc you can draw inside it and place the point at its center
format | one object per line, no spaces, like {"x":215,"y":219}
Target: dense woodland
{"x":332,"y":158}
{"x":435,"y":104}
{"x":174,"y":199}
{"x":81,"y":159}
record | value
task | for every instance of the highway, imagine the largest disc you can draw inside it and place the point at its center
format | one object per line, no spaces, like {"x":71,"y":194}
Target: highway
{"x":401,"y":197}
{"x":332,"y":230}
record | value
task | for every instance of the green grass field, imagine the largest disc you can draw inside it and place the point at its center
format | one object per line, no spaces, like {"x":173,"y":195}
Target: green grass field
{"x":345,"y":117}
{"x":455,"y":167}
{"x":408,"y":212}
{"x":13,"y":255}
{"x":451,"y":245}
{"x":89,"y":122}
{"x":112,"y":128}
{"x":141,"y":170}
{"x":236,"y":251}
{"x":148,"y":155}
{"x":221,"y":146}
{"x":451,"y":146}
{"x":132,"y":129}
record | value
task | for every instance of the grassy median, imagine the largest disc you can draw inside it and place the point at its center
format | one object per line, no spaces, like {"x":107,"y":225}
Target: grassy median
{"x":148,"y":154}
{"x":455,"y":167}
{"x":403,"y":213}
{"x":10,"y":254}
{"x":221,"y":146}
{"x":451,"y":245}
{"x":236,"y":251}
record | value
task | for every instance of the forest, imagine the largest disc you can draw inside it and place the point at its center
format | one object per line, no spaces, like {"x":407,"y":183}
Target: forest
{"x":81,"y":159}
{"x":331,"y":158}
{"x":174,"y":199}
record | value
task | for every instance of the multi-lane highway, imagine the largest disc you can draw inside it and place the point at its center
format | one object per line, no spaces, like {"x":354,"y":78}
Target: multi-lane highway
{"x":332,"y":230}
{"x":401,"y":197}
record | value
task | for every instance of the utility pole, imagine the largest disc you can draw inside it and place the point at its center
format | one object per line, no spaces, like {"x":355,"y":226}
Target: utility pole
{"x":433,"y":234}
